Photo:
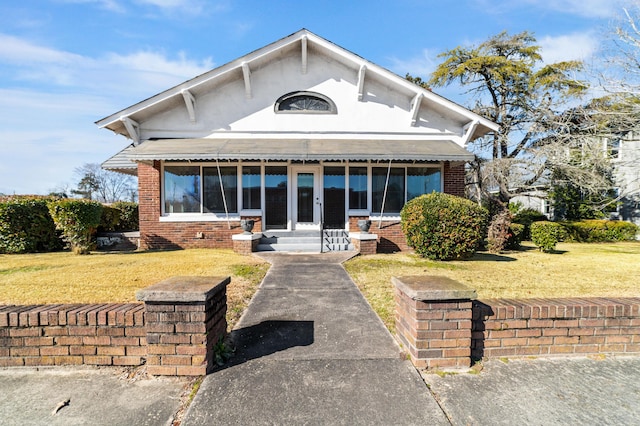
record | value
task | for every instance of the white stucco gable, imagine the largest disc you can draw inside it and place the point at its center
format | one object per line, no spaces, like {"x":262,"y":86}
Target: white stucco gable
{"x":237,"y":100}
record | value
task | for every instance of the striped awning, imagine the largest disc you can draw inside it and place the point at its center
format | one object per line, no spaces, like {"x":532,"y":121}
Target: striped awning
{"x":292,"y":149}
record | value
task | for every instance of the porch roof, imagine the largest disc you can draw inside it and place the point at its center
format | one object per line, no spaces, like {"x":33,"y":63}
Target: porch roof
{"x":297,"y":150}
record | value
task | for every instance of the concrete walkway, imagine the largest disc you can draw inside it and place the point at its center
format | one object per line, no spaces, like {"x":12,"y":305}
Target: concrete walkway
{"x":310,"y":350}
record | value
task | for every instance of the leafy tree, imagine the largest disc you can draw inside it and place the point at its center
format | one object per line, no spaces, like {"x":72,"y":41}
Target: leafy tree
{"x":511,"y":86}
{"x":102,"y":185}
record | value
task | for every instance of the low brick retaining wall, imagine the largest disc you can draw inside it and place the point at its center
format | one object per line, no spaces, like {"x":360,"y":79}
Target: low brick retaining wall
{"x":106,"y":334}
{"x":545,"y":327}
{"x":441,"y":325}
{"x":174,"y":331}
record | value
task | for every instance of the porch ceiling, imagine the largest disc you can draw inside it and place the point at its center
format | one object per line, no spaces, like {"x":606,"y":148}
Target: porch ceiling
{"x":298,"y":149}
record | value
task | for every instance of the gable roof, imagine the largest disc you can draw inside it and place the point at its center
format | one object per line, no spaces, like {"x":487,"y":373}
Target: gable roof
{"x":125,"y":122}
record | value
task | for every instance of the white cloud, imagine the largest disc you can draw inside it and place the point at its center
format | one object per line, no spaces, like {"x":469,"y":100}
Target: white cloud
{"x":584,"y":8}
{"x":421,"y":65}
{"x":49,"y":99}
{"x":576,"y":46}
{"x":111,"y":5}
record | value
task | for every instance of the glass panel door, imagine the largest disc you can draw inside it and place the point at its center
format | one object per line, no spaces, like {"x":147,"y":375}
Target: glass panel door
{"x":305,"y":198}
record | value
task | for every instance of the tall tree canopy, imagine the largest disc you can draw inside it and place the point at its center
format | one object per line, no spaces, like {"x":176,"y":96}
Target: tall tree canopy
{"x":511,"y":86}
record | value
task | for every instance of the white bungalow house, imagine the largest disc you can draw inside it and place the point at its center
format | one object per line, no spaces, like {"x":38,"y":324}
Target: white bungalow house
{"x":299,"y":136}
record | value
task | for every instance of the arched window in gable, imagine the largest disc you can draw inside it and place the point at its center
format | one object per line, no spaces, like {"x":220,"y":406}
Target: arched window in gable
{"x":305,"y":103}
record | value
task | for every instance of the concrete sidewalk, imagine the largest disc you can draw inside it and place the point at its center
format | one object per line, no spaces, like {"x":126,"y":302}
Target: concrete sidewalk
{"x":96,"y":396}
{"x":560,"y":391}
{"x":309,"y":350}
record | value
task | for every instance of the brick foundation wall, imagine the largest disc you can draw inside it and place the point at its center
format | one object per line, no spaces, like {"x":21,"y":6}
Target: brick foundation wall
{"x":547,"y":327}
{"x":107,"y":334}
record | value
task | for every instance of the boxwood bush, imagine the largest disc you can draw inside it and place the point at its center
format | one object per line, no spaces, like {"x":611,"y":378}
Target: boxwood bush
{"x":600,"y":231}
{"x":526,"y":217}
{"x":78,"y":220}
{"x":128,"y":215}
{"x":443,"y":227}
{"x":26,"y":226}
{"x":546,"y":235}
{"x":516,"y":231}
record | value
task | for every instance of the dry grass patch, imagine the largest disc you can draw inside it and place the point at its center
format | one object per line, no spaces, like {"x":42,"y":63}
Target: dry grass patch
{"x":574,"y":270}
{"x":115,"y":277}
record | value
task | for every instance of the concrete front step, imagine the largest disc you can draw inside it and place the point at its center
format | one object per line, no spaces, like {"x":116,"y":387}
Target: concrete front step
{"x":304,"y":241}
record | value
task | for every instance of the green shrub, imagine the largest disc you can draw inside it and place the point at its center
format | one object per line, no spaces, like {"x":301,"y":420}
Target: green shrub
{"x":526,"y":217}
{"x":546,"y":235}
{"x":600,"y":231}
{"x":26,"y":226}
{"x":442,"y":226}
{"x":109,"y":219}
{"x":78,"y":221}
{"x":128,"y":215}
{"x":516,"y":231}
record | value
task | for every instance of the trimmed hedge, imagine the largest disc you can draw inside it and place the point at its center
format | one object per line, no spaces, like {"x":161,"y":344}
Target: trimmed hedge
{"x":443,"y":227}
{"x":516,"y":231}
{"x":526,"y":217}
{"x":129,"y":219}
{"x":600,"y":231}
{"x":26,"y":226}
{"x":78,"y":220}
{"x":546,"y":235}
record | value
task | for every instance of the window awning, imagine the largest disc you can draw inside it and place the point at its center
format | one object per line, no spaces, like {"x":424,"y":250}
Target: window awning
{"x":296,"y":149}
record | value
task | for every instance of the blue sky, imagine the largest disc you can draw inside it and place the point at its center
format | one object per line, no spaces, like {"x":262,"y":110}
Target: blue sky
{"x":66,"y":63}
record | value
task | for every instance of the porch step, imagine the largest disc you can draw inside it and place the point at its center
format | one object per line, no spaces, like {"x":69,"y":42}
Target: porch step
{"x":304,"y":241}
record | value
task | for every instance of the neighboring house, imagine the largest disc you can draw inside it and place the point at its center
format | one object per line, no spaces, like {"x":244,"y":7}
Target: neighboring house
{"x":298,"y":135}
{"x":536,"y":199}
{"x":626,"y":157}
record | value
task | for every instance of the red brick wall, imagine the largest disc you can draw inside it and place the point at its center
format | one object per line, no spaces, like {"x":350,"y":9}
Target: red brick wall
{"x":107,"y":334}
{"x":454,"y":179}
{"x":546,"y":327}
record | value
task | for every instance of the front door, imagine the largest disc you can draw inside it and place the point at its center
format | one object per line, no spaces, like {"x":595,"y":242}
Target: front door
{"x":305,"y":196}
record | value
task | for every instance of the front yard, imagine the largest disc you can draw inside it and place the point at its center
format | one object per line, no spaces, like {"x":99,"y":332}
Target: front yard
{"x":574,"y":270}
{"x":63,"y":277}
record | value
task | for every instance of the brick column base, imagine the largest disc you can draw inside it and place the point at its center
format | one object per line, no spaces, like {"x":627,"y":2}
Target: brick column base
{"x":433,"y":320}
{"x":185,"y":318}
{"x":364,"y":243}
{"x":246,"y":243}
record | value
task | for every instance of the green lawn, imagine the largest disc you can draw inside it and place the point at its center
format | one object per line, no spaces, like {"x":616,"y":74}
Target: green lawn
{"x":63,"y":277}
{"x":574,"y":270}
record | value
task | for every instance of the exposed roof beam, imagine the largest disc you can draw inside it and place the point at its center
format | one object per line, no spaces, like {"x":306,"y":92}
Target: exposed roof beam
{"x":190,"y":103}
{"x":304,"y":54}
{"x":361,"y":74}
{"x":415,"y":108}
{"x":246,"y":73}
{"x":133,"y":128}
{"x":468,"y":130}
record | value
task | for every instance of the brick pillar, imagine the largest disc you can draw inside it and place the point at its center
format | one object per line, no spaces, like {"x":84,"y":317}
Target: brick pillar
{"x":185,"y":318}
{"x":246,"y":243}
{"x":364,"y":243}
{"x":433,"y":320}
